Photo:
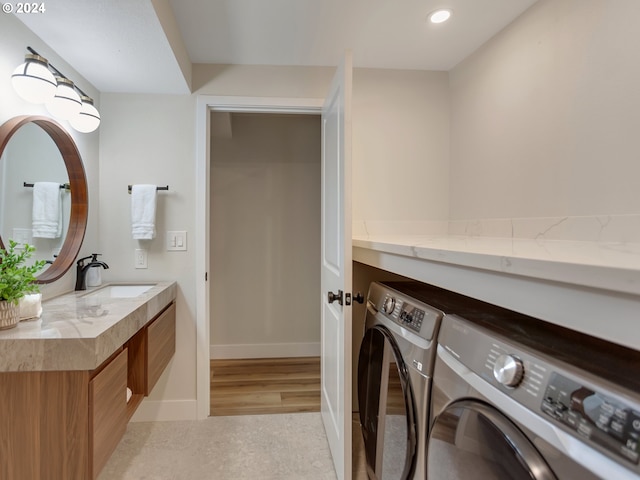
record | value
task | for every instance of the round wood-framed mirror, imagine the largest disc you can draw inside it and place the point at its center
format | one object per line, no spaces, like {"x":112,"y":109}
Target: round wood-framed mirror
{"x":77,"y":181}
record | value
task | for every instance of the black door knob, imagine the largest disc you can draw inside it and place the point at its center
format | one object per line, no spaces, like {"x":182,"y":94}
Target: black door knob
{"x":332,"y":297}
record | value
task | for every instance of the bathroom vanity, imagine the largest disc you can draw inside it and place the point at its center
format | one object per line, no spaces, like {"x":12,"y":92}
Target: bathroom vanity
{"x":64,"y":404}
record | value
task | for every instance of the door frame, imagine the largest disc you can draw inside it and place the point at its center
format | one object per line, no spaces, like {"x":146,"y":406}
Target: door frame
{"x":204,"y":106}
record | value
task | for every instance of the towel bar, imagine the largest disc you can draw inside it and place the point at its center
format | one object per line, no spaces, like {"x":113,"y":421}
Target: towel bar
{"x":64,"y":186}
{"x":157,"y":188}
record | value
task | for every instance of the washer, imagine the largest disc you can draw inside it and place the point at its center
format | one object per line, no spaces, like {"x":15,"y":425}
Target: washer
{"x":518,"y":398}
{"x":394,"y":375}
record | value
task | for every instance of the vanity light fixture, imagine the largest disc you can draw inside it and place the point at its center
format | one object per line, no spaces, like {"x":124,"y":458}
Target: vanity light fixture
{"x":439,"y":16}
{"x":66,"y":103}
{"x":88,"y":119}
{"x":35,"y":82}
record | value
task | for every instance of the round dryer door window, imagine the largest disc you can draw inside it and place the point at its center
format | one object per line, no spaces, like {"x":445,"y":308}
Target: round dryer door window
{"x":386,"y":404}
{"x":470,"y":440}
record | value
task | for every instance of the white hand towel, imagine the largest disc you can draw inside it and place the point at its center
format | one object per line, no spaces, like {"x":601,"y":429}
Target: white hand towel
{"x":143,"y":211}
{"x":30,"y":306}
{"x":46,"y":216}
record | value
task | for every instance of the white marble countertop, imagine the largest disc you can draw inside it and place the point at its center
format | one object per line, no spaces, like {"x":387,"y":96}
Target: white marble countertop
{"x":77,"y":331}
{"x":611,"y":266}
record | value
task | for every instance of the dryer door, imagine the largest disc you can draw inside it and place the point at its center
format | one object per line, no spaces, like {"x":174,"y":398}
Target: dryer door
{"x":471,"y":440}
{"x":387,"y":407}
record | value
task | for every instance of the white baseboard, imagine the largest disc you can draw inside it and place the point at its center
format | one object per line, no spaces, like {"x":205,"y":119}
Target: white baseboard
{"x":165,"y":410}
{"x":269,"y":350}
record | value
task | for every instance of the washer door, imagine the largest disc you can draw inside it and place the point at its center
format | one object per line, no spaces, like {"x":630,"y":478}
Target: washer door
{"x":471,"y":440}
{"x":387,"y":410}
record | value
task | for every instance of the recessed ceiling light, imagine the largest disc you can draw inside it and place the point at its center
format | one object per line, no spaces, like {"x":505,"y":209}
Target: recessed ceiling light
{"x":439,"y":16}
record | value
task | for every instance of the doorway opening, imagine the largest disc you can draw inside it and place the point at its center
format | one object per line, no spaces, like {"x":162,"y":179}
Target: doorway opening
{"x":264,"y":268}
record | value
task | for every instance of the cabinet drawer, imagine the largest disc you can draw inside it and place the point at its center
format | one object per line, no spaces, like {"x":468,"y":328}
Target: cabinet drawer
{"x":161,"y":345}
{"x":107,"y":411}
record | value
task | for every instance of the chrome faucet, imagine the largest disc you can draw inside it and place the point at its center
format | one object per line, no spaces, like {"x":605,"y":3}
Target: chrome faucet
{"x":82,"y":269}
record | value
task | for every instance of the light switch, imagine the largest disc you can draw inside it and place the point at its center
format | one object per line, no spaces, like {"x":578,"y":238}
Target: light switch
{"x":177,"y":240}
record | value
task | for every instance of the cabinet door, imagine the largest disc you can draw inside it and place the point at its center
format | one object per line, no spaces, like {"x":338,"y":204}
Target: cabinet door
{"x":107,"y":411}
{"x":161,"y":345}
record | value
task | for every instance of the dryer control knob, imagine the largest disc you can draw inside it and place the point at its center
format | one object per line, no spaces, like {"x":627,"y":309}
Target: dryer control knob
{"x":389,"y":305}
{"x":508,"y":370}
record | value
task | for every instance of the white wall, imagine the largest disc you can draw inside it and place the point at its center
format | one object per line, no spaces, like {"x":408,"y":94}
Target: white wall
{"x":14,"y":39}
{"x":150,"y":139}
{"x":265,"y":236}
{"x":400,"y":147}
{"x":545,"y":116}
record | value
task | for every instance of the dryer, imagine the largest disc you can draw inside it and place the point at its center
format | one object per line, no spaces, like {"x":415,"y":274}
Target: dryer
{"x":394,"y":379}
{"x":395,"y":367}
{"x":518,"y":398}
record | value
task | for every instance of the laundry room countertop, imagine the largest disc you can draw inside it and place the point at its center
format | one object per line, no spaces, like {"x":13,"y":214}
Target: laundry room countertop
{"x":589,"y":286}
{"x":610,"y":266}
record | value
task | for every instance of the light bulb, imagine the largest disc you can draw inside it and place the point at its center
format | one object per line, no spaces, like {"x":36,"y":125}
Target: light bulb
{"x":33,"y":81}
{"x":88,"y":119}
{"x":66,"y":103}
{"x":440,"y":16}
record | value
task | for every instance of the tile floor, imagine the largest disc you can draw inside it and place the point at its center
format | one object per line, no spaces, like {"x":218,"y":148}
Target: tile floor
{"x":256,"y":447}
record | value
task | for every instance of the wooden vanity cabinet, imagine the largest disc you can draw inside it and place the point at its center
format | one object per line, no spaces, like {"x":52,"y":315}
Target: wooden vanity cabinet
{"x":107,"y":411}
{"x":161,"y":345}
{"x":66,"y":424}
{"x":43,"y":425}
{"x":149,"y":353}
{"x":138,"y":366}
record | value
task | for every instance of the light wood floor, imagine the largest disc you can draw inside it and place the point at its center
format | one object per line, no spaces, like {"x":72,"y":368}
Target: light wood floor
{"x":265,"y":386}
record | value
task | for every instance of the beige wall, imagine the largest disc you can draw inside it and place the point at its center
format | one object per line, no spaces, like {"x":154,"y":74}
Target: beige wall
{"x":400,"y":131}
{"x":265,"y":236}
{"x":400,"y":145}
{"x":261,"y":81}
{"x":545,"y":116}
{"x":13,"y":42}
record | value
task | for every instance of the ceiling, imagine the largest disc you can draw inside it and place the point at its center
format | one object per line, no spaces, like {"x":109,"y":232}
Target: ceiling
{"x":137,"y":46}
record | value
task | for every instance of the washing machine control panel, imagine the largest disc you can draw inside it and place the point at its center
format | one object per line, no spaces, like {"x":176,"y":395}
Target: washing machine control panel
{"x":603,"y":420}
{"x":405,"y":314}
{"x":389,"y":305}
{"x":411,"y":317}
{"x":508,"y":370}
{"x":599,"y":417}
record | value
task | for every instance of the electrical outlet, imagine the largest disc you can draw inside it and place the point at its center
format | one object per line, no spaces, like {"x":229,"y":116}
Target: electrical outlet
{"x":141,"y":258}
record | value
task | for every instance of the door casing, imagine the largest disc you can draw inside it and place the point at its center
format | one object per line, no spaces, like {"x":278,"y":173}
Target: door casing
{"x":205,"y":105}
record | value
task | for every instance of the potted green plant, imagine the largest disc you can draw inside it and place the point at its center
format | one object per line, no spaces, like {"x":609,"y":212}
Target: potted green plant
{"x":16,"y":280}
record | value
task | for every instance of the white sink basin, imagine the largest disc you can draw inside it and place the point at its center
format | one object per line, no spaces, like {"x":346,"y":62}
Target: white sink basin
{"x":120,"y":291}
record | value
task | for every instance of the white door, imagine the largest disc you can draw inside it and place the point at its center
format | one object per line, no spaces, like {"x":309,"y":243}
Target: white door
{"x":336,"y":268}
